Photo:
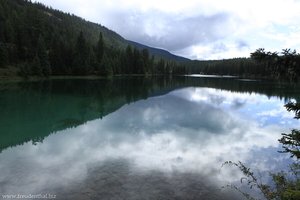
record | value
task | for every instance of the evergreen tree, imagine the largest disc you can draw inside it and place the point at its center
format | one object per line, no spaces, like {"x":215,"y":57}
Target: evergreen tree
{"x":81,"y":64}
{"x":137,"y":62}
{"x":100,"y":48}
{"x":43,"y":57}
{"x":8,"y":31}
{"x":106,"y":64}
{"x":129,"y":66}
{"x":25,"y":70}
{"x":56,"y":56}
{"x":146,"y":61}
{"x":36,"y":69}
{"x":99,"y":51}
{"x":3,"y":55}
{"x":161,"y":67}
{"x":94,"y":65}
{"x":2,"y":24}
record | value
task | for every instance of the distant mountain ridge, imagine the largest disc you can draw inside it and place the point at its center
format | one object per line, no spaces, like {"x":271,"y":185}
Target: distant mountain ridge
{"x":37,"y":40}
{"x":159,"y":52}
{"x":113,"y":38}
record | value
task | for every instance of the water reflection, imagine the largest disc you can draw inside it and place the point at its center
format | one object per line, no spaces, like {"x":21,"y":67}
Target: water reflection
{"x":168,"y":146}
{"x":42,"y":108}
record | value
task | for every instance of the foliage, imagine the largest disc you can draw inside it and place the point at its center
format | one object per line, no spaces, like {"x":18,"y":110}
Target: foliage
{"x":69,"y":45}
{"x":99,"y":51}
{"x":56,"y":43}
{"x":284,"y":188}
{"x":291,"y":141}
{"x":43,"y":57}
{"x":280,"y":65}
{"x":234,"y":67}
{"x":251,"y":181}
{"x":284,"y":65}
{"x":286,"y":184}
{"x":3,"y":56}
{"x":295,"y":107}
{"x":36,"y":69}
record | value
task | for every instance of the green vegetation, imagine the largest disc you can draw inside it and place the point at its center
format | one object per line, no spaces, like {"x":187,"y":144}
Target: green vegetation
{"x":41,"y":41}
{"x":284,"y":65}
{"x":34,"y":105}
{"x":286,"y":184}
{"x":236,"y":67}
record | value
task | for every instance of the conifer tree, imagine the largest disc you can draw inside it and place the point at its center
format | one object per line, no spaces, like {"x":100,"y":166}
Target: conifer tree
{"x":81,"y":65}
{"x":3,"y":55}
{"x":43,"y":57}
{"x":100,"y":48}
{"x":106,"y":65}
{"x":36,"y":69}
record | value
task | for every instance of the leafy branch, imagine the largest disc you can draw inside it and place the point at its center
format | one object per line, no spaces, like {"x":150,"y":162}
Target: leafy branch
{"x":251,"y":180}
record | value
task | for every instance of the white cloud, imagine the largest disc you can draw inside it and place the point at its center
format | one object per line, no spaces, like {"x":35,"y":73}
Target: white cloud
{"x":197,"y":142}
{"x":192,"y":27}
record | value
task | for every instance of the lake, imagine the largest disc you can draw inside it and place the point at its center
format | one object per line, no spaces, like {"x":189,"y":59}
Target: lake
{"x":140,"y":138}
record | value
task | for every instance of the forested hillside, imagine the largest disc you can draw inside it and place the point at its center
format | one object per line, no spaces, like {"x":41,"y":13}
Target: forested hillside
{"x":36,"y":40}
{"x":41,"y":41}
{"x":283,"y":65}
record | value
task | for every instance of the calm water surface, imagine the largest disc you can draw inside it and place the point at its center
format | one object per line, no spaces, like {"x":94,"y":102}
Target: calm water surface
{"x":135,"y":138}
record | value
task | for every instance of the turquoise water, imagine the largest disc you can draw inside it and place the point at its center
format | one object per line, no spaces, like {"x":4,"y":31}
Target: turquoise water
{"x":138,"y":138}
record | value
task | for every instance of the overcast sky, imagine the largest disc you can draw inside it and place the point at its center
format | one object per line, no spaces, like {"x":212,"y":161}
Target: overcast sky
{"x":197,"y":29}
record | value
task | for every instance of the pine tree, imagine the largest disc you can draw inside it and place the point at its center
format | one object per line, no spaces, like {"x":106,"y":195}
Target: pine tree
{"x":146,"y":61}
{"x":56,"y":56}
{"x":25,"y":70}
{"x":106,"y":65}
{"x":100,"y":48}
{"x":2,"y":24}
{"x":36,"y":69}
{"x":43,"y":57}
{"x":129,"y":60}
{"x":136,"y":57}
{"x":8,"y":31}
{"x":3,"y":55}
{"x":99,"y":51}
{"x":81,"y":65}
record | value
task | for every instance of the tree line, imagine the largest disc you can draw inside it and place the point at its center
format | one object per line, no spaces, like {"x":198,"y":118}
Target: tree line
{"x":41,"y":41}
{"x":280,"y":65}
{"x":283,"y":65}
{"x":234,"y":67}
{"x":85,"y":59}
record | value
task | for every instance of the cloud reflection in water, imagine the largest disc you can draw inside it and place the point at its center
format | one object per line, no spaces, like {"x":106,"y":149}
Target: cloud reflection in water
{"x":192,"y":130}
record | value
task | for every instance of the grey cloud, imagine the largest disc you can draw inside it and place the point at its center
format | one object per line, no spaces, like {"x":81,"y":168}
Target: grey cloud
{"x":175,"y":32}
{"x":185,"y":141}
{"x":202,"y":118}
{"x":170,"y":32}
{"x":242,"y":44}
{"x":220,"y":47}
{"x":237,"y":104}
{"x":115,"y":179}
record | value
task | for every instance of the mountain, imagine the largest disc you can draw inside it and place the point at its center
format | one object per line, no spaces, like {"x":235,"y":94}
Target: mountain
{"x":159,"y":52}
{"x":38,"y":41}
